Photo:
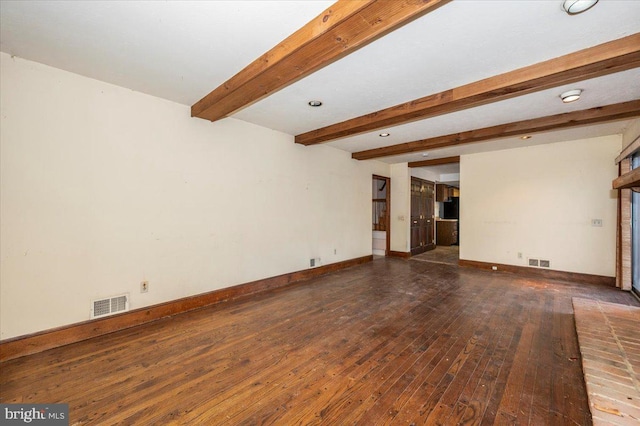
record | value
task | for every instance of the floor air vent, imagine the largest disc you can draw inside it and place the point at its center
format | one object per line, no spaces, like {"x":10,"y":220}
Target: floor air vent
{"x":110,"y":306}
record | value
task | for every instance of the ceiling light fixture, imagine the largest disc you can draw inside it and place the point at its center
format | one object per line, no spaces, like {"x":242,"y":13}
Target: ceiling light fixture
{"x":573,"y":7}
{"x":425,"y":154}
{"x":571,"y":95}
{"x":524,"y":138}
{"x":315,"y":103}
{"x":384,"y":135}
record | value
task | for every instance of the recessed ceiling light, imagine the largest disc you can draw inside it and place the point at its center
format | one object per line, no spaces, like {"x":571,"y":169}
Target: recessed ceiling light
{"x":573,"y":7}
{"x":425,"y":154}
{"x":525,"y":137}
{"x":384,"y":135}
{"x":570,"y":96}
{"x":315,"y":103}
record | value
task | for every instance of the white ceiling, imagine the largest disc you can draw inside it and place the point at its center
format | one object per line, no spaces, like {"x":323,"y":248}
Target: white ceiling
{"x":181,"y":50}
{"x":176,"y":50}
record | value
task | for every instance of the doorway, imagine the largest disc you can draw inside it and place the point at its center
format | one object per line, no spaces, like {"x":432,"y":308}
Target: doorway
{"x":381,"y":232}
{"x":422,"y":216}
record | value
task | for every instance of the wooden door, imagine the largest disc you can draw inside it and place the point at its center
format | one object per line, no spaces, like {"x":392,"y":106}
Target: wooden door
{"x":422,"y":229}
{"x":415,"y":216}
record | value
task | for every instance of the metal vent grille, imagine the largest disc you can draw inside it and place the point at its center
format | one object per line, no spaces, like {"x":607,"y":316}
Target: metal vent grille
{"x":118,"y":304}
{"x":101,"y":307}
{"x":545,"y":263}
{"x":112,"y":305}
{"x":533,"y":262}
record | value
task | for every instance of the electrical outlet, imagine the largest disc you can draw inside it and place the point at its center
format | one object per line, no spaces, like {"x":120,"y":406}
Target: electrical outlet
{"x":519,"y":255}
{"x":144,"y":286}
{"x":596,"y":222}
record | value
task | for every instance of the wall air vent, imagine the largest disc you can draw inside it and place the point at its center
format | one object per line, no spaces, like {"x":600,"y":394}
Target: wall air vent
{"x":533,"y":262}
{"x":545,"y":263}
{"x":112,"y":305}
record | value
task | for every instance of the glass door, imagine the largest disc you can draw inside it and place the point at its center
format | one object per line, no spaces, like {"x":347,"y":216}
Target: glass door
{"x":635,"y":231}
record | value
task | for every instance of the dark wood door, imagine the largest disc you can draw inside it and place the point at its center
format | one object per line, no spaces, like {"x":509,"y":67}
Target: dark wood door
{"x":422,"y":224}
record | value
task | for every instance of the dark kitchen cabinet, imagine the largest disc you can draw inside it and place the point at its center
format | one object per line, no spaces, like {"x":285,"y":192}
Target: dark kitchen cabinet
{"x":446,"y":232}
{"x":442,"y":192}
{"x":446,"y":192}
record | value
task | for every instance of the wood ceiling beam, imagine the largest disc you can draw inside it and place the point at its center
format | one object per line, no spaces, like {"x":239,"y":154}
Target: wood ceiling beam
{"x":607,"y":58}
{"x":628,"y":180}
{"x":630,"y":149}
{"x":435,"y":162}
{"x":338,"y":31}
{"x":596,"y":115}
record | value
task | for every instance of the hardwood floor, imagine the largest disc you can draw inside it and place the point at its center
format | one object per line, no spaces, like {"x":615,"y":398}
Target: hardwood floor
{"x":388,"y":342}
{"x":441,"y":254}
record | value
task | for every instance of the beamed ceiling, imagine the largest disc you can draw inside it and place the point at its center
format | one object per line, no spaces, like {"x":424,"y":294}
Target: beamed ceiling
{"x":443,"y":77}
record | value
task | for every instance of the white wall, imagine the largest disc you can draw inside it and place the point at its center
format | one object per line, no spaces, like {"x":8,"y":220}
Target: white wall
{"x":540,"y":201}
{"x":400,"y":207}
{"x":103,"y":187}
{"x":631,"y":133}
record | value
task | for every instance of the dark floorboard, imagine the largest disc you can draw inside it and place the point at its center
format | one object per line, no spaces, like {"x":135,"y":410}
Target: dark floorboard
{"x":388,"y":342}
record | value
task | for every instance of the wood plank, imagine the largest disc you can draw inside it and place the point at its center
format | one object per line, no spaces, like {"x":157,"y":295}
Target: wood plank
{"x":435,"y":162}
{"x":628,"y":180}
{"x":504,"y":370}
{"x":426,"y":347}
{"x":430,"y":367}
{"x":338,"y":31}
{"x":566,"y":366}
{"x":419,"y":408}
{"x":358,"y":366}
{"x":607,"y":58}
{"x":541,"y":402}
{"x":621,"y":111}
{"x":326,"y":406}
{"x":386,"y":342}
{"x":479,"y":400}
{"x":515,"y":382}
